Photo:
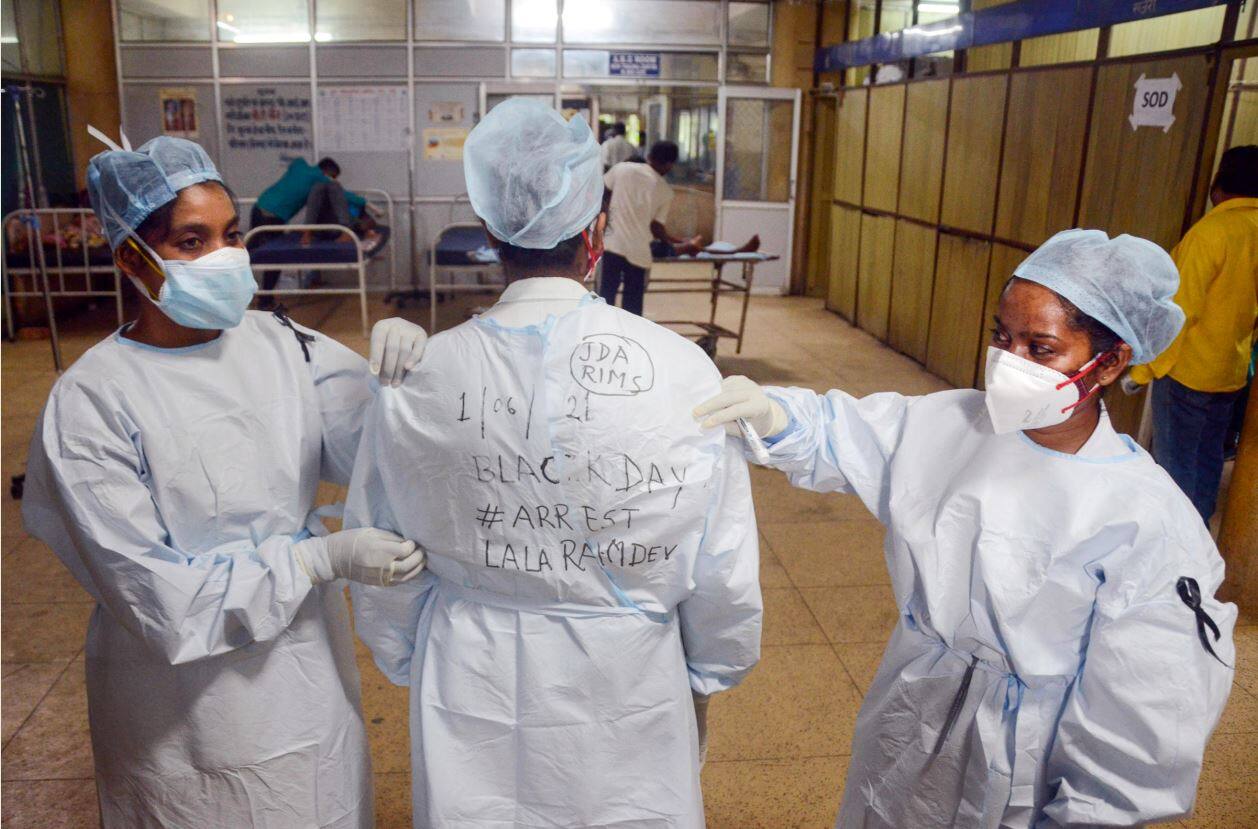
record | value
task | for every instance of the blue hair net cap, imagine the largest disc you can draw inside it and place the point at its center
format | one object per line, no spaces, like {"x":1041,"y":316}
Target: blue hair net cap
{"x":1126,"y":283}
{"x":534,"y":178}
{"x":126,"y":186}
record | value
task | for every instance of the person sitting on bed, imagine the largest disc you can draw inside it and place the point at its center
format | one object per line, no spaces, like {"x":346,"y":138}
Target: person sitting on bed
{"x":314,"y":187}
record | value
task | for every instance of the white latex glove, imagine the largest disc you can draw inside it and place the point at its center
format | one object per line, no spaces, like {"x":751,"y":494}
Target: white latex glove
{"x":701,"y":720}
{"x":364,"y":555}
{"x":741,"y":397}
{"x":1129,"y":386}
{"x":396,"y":347}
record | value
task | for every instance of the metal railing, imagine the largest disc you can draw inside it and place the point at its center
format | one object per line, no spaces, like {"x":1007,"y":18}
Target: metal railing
{"x":53,"y":264}
{"x":359,"y":264}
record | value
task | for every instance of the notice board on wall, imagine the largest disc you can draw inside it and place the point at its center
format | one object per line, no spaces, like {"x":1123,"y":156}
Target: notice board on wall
{"x":363,"y":119}
{"x":266,"y":118}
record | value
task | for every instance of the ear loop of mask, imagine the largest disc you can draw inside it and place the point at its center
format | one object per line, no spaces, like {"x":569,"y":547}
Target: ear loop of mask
{"x":1077,"y":380}
{"x":141,"y":247}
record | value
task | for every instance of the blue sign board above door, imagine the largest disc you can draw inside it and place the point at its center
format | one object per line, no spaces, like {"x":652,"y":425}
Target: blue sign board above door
{"x":634,"y":64}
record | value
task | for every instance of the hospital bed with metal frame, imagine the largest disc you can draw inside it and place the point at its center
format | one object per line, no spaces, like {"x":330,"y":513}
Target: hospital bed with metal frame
{"x":451,"y":255}
{"x":284,"y":251}
{"x":318,"y":255}
{"x":69,"y":271}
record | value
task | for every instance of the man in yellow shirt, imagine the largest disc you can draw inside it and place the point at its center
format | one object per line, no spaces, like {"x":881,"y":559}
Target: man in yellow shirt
{"x":1198,"y":381}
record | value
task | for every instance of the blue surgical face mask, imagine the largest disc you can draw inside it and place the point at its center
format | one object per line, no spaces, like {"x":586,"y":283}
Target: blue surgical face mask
{"x":211,"y":292}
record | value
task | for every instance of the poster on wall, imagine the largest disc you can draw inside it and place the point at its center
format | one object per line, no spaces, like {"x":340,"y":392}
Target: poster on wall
{"x":1153,"y":104}
{"x":444,"y":143}
{"x":370,"y":119}
{"x":179,"y":111}
{"x":261,"y":118}
{"x":445,"y":112}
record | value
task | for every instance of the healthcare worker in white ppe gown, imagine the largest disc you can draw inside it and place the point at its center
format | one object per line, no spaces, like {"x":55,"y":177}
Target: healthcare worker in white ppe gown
{"x":173,"y":471}
{"x":1060,"y":658}
{"x":592,"y":553}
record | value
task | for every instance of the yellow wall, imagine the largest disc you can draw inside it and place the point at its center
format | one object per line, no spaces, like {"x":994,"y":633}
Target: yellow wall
{"x":942,"y":186}
{"x":91,"y":79}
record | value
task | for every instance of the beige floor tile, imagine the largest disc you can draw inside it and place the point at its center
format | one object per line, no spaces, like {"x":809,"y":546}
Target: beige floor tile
{"x":797,"y":703}
{"x":393,"y":800}
{"x":1246,"y":639}
{"x":44,"y":632}
{"x":853,"y":614}
{"x":32,"y":574}
{"x":831,"y":553}
{"x":1241,"y":715}
{"x":1227,"y":796}
{"x":862,"y":661}
{"x":50,"y":804}
{"x":22,"y":687}
{"x":772,"y":573}
{"x":55,"y":742}
{"x":386,"y":709}
{"x":11,"y":525}
{"x":787,"y":620}
{"x":778,"y":502}
{"x":773,"y":794}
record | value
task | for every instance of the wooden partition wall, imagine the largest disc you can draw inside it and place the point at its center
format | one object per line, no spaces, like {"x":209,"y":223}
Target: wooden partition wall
{"x":942,"y":186}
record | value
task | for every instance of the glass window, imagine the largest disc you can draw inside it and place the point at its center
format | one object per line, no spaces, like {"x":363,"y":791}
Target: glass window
{"x":749,"y":24}
{"x":1247,"y":22}
{"x":10,"y":44}
{"x":1063,"y":48}
{"x":933,"y":12}
{"x":896,"y":15}
{"x":533,"y":63}
{"x":743,"y":66}
{"x":642,"y":21}
{"x":32,"y":37}
{"x":534,"y":21}
{"x":460,"y":19}
{"x":263,"y":21}
{"x":164,"y":20}
{"x":753,"y":129}
{"x":860,"y":26}
{"x":1171,"y":31}
{"x":360,"y":20}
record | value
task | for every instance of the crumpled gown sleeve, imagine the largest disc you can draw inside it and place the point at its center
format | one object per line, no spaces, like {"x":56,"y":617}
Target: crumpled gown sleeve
{"x":344,"y":388}
{"x":87,"y":498}
{"x":838,"y":443}
{"x":1129,"y":744}
{"x":385,"y":618}
{"x":721,"y":618}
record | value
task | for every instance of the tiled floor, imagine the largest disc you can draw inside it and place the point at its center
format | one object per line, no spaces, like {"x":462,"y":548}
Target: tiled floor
{"x":780,"y":742}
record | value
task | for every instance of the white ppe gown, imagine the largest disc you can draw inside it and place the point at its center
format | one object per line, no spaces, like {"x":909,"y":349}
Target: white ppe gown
{"x":592,"y":558}
{"x":1045,"y":670}
{"x":222,"y":689}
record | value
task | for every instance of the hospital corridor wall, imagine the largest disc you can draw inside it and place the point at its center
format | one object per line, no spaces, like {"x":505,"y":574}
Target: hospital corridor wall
{"x":941,"y":186}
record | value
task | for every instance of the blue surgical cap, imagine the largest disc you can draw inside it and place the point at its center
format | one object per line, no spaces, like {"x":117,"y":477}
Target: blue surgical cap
{"x":127,"y":186}
{"x":534,"y":178}
{"x":1126,"y":283}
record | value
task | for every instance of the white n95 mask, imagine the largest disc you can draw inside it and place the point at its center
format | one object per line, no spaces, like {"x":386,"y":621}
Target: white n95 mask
{"x":1022,"y":394}
{"x":211,"y":292}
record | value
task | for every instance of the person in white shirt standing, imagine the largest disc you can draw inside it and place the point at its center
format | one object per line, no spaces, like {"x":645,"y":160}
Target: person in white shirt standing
{"x":616,"y":148}
{"x":637,"y":199}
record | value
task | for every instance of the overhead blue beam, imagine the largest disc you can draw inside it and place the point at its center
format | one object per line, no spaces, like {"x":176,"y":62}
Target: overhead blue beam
{"x":1000,"y":24}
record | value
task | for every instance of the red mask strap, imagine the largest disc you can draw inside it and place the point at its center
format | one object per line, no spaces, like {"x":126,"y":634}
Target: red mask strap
{"x":1077,"y":379}
{"x":589,"y":251}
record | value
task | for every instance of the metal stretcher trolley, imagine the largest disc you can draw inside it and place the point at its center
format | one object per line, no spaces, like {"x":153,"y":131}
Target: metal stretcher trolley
{"x":708,"y":334}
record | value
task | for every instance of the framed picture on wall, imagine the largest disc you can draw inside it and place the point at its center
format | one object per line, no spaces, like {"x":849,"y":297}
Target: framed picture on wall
{"x":179,"y":111}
